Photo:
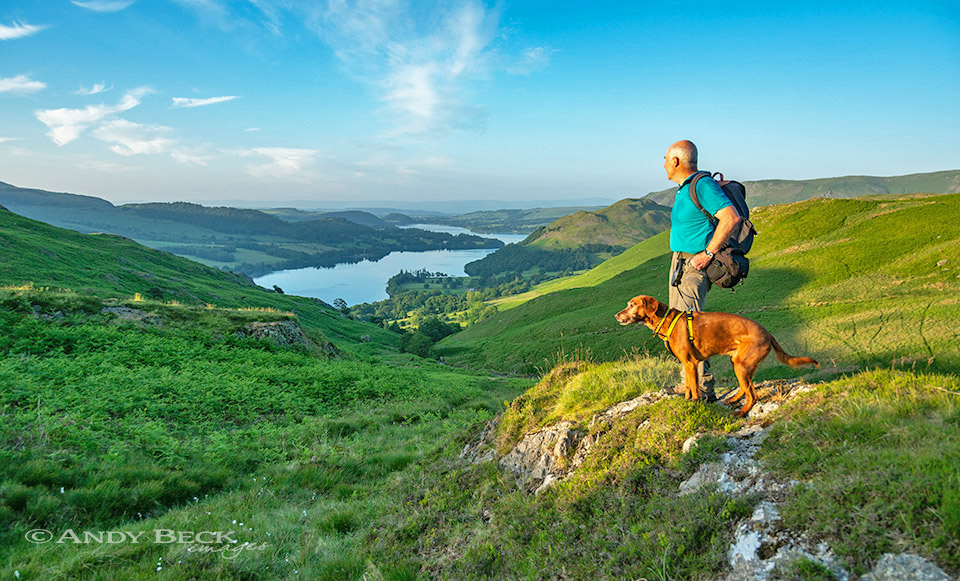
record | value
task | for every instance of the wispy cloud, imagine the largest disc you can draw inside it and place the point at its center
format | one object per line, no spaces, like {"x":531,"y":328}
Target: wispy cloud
{"x":96,"y":89}
{"x":530,"y":60}
{"x":6,"y":139}
{"x":104,"y":5}
{"x":183,"y":102}
{"x":134,"y":138}
{"x":68,"y":124}
{"x":21,"y":84}
{"x":421,"y":67}
{"x":103,"y":166}
{"x":18,"y":30}
{"x":285,"y":163}
{"x":252,"y":15}
{"x":129,"y":138}
{"x":420,"y":57}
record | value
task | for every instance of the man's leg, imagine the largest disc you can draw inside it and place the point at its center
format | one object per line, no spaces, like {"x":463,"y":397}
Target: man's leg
{"x":691,"y":295}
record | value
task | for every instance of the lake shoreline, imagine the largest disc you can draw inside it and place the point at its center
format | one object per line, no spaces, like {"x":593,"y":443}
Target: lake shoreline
{"x":365,"y":280}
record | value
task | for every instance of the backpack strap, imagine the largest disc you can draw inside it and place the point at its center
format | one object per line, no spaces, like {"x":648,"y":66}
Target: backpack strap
{"x":696,"y":201}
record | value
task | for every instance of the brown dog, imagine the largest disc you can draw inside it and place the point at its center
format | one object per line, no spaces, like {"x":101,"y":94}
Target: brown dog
{"x":745,"y":341}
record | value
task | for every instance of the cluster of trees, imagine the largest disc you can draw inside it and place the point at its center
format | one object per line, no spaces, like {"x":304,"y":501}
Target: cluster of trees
{"x":469,"y":306}
{"x":424,"y":303}
{"x":417,"y":276}
{"x":430,"y":330}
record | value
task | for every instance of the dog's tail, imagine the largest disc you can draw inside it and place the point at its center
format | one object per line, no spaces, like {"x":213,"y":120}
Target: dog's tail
{"x":790,"y":360}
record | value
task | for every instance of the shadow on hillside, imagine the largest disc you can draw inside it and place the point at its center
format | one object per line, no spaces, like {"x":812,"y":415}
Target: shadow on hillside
{"x":764,"y":297}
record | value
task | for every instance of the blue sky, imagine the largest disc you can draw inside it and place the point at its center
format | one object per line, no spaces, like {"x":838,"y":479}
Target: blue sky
{"x":394,"y":100}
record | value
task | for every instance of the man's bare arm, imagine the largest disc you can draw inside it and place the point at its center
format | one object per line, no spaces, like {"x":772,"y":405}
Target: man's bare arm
{"x":728,"y":220}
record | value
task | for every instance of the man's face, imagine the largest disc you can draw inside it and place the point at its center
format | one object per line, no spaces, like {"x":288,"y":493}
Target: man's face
{"x":668,"y":165}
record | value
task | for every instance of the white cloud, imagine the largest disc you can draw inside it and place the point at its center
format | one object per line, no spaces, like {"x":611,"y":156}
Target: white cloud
{"x":6,"y":139}
{"x":104,"y":5}
{"x":286,"y":163}
{"x":68,"y":124}
{"x":21,"y":84}
{"x":131,"y":138}
{"x":183,"y":102}
{"x":96,"y":89}
{"x":18,"y":30}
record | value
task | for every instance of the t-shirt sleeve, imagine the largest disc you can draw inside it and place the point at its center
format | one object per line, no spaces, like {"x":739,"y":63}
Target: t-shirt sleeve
{"x":711,"y":196}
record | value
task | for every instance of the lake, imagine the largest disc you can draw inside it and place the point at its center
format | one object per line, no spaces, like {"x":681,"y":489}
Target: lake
{"x":366,"y":281}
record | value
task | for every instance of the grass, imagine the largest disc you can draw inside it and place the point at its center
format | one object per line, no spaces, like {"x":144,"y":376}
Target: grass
{"x":139,"y":427}
{"x":876,"y":454}
{"x":613,"y":518}
{"x":576,"y":390}
{"x":879,"y":457}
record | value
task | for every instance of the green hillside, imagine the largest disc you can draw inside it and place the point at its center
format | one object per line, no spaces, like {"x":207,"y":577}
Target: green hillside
{"x":851,"y":282}
{"x":606,"y":270}
{"x":109,"y":266}
{"x":578,"y":241}
{"x":765,"y":192}
{"x":134,"y":399}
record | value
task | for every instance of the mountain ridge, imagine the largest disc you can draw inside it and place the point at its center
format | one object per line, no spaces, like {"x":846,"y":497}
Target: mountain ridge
{"x":778,"y":191}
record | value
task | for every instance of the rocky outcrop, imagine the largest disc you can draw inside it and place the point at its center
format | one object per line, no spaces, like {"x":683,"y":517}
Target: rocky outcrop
{"x":283,"y":333}
{"x":130,"y":315}
{"x":763,"y":547}
{"x":548,"y":455}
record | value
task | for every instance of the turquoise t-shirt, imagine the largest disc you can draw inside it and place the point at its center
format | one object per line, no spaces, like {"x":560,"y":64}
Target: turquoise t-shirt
{"x":690,"y":231}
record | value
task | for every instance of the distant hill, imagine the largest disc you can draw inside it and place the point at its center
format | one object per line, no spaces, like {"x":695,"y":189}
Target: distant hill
{"x":355,"y":216}
{"x":852,"y":282}
{"x":245,"y":240}
{"x":14,"y":197}
{"x":623,"y":224}
{"x":399,"y":219}
{"x":578,"y":241}
{"x":765,"y":192}
{"x":509,"y":221}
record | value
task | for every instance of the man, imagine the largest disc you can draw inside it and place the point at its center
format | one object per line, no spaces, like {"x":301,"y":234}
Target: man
{"x":694,"y":240}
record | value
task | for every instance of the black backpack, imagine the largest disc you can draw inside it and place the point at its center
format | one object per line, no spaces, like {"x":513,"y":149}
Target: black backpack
{"x":730,"y":266}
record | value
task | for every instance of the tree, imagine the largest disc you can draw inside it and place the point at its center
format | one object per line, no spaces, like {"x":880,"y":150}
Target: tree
{"x":341,"y":305}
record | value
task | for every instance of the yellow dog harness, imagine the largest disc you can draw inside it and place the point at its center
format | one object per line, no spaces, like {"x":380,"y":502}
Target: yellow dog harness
{"x":673,"y":323}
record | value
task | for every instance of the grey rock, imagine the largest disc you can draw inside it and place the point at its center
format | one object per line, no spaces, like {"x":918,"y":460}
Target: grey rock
{"x":283,"y":333}
{"x":690,"y":442}
{"x":905,"y":567}
{"x":127,"y":314}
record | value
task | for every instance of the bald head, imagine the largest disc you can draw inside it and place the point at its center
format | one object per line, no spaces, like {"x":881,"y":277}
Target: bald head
{"x":680,"y":160}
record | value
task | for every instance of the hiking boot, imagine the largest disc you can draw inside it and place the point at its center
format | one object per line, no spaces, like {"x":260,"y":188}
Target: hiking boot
{"x":706,"y":392}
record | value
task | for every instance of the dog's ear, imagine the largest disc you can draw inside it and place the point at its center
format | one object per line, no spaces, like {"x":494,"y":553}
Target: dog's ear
{"x":648,"y":304}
